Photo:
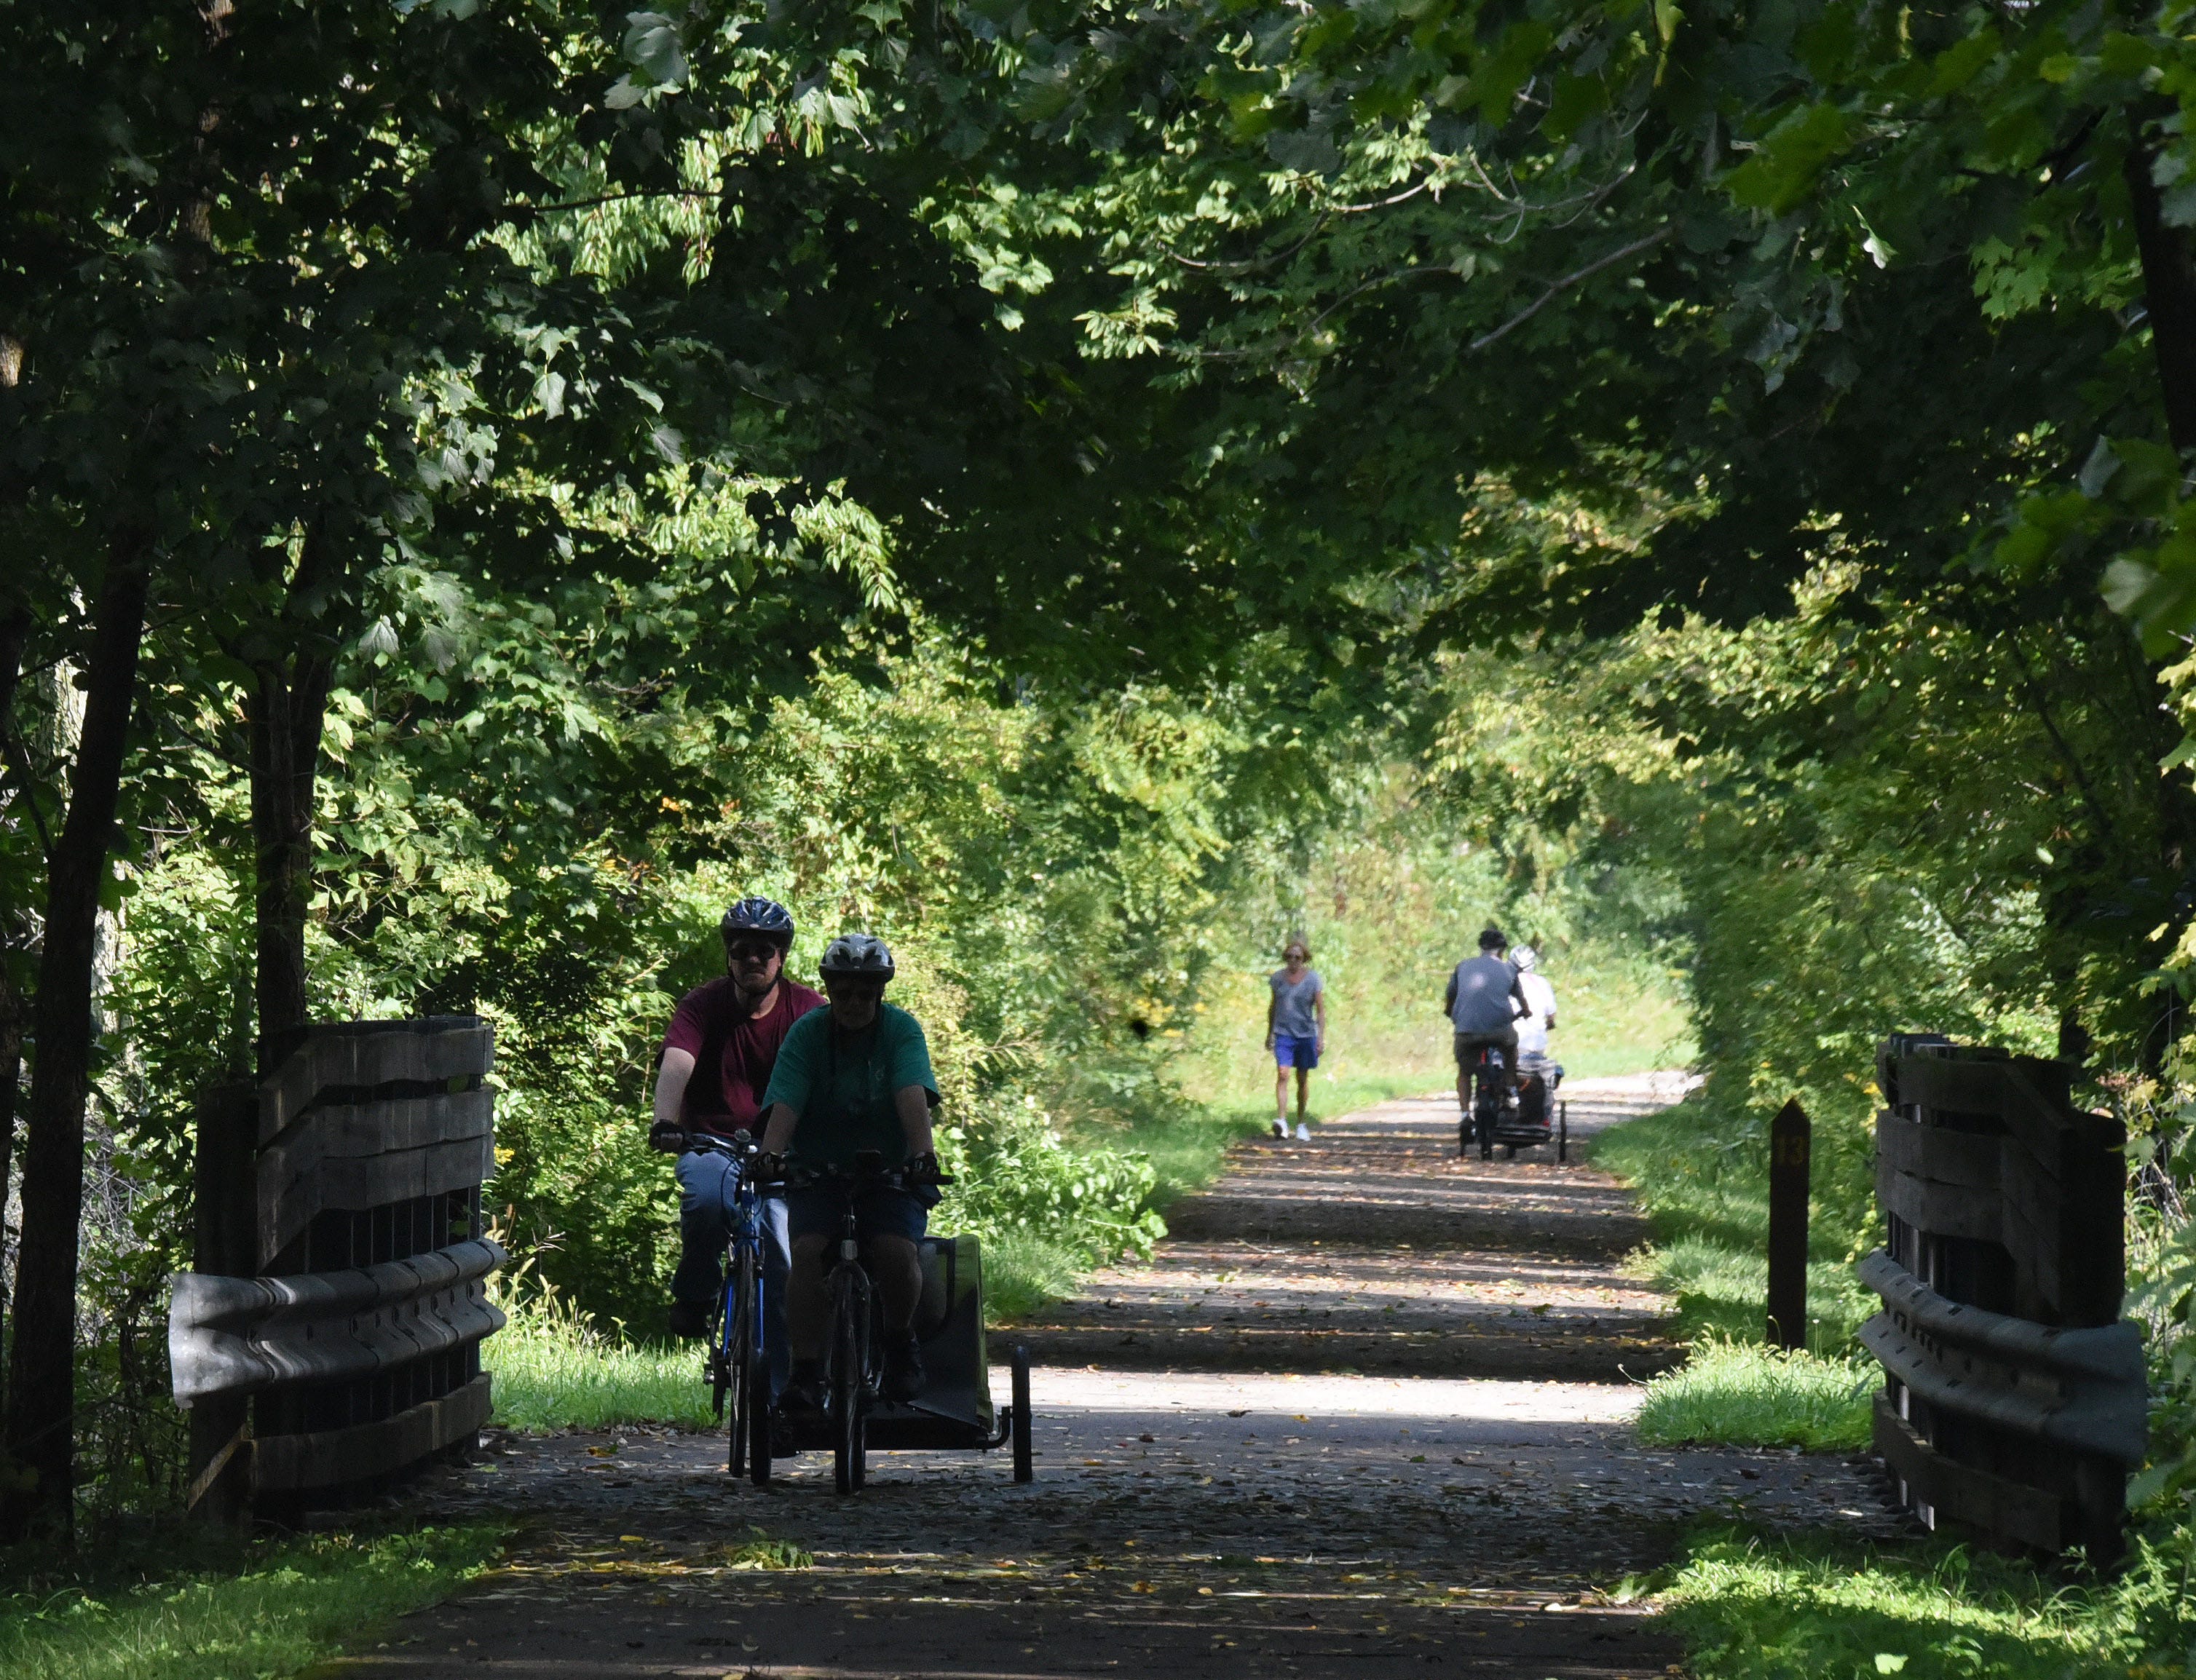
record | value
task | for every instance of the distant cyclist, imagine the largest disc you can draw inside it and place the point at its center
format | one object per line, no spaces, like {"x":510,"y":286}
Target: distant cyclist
{"x":1484,"y":1003}
{"x":718,"y":1056}
{"x":855,"y":1077}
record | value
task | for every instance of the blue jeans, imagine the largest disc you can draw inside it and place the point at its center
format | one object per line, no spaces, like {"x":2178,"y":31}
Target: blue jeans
{"x":705,"y":1228}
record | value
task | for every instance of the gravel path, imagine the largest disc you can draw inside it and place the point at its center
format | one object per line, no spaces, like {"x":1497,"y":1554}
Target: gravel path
{"x":1302,"y":1442}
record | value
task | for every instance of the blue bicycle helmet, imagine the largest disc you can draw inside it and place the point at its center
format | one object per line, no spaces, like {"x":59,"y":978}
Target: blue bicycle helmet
{"x":759,"y":916}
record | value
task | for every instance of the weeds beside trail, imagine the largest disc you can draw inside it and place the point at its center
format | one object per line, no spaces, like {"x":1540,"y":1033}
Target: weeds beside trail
{"x":1745,"y":1394}
{"x":269,"y":1613}
{"x":1754,"y":1607}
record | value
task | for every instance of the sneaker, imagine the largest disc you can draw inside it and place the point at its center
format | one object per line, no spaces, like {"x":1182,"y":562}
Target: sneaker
{"x":1279,"y":1130}
{"x":689,"y":1319}
{"x":904,"y":1373}
{"x":1303,"y":1132}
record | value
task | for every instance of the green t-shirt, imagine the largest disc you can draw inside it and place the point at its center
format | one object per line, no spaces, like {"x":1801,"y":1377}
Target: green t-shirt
{"x":842,"y":1086}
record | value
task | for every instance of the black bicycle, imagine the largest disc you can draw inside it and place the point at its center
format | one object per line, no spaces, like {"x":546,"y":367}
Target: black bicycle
{"x":1491,"y":1099}
{"x":955,"y":1409}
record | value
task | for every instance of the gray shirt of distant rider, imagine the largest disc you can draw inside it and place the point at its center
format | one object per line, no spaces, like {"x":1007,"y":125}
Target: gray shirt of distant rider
{"x":1484,"y":995}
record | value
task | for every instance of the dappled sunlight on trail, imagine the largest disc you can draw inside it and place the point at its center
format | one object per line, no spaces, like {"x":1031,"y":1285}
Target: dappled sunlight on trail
{"x":1288,"y":1519}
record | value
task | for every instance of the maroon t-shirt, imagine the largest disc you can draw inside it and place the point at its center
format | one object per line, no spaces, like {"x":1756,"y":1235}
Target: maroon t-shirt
{"x":733,"y":1051}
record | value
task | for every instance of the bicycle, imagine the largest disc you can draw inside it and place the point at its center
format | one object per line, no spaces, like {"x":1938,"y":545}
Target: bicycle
{"x":739,"y":1350}
{"x":1491,"y":1096}
{"x":853,"y":1361}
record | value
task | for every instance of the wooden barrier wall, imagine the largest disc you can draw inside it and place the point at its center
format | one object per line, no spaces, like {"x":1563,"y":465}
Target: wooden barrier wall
{"x":2014,"y":1398}
{"x":330,"y":1335}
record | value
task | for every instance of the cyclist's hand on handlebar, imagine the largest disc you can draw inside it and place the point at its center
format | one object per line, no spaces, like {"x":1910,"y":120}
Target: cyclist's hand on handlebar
{"x":768,"y":1169}
{"x":923,"y":1170}
{"x":669,"y":1136}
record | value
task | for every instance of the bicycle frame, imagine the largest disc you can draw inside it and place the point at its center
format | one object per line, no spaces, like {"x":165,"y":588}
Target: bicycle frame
{"x":739,"y":1352}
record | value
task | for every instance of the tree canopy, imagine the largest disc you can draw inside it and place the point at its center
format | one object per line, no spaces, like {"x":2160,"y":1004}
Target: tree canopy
{"x":490,"y":472}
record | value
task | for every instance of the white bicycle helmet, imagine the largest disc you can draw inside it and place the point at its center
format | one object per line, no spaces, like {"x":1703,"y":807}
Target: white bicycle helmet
{"x":857,"y":957}
{"x":1524,"y":956}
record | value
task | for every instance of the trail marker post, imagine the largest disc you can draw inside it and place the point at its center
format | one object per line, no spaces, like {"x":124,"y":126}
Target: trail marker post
{"x":1791,"y":1147}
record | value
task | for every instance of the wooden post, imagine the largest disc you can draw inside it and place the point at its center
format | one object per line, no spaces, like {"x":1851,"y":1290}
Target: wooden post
{"x":227,"y":1244}
{"x":1790,"y":1145}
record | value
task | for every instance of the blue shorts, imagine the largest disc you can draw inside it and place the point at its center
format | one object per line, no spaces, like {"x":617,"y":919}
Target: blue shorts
{"x":1291,"y":1051}
{"x":878,"y":1211}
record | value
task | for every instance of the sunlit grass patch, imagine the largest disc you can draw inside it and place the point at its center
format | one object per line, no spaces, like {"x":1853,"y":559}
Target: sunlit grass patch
{"x":291,"y":1605}
{"x":1745,"y":1394}
{"x":1022,"y":1273}
{"x":556,"y":1369}
{"x":1757,"y":1608}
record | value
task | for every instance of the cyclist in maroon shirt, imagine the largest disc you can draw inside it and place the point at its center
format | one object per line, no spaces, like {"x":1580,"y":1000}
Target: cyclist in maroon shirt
{"x":718,"y":1056}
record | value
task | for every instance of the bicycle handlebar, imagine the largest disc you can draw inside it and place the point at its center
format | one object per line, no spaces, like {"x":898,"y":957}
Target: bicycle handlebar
{"x":818,"y":1178}
{"x":742,"y":1147}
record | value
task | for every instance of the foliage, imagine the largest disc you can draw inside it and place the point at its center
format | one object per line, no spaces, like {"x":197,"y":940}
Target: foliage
{"x":284,"y":1607}
{"x":1741,"y":1394}
{"x":1018,"y":1176}
{"x":1753,"y":1607}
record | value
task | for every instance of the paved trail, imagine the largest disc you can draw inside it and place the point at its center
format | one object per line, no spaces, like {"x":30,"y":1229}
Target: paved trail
{"x":1365,"y":1414}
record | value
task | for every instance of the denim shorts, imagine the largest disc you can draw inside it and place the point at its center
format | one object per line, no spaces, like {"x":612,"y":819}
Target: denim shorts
{"x":1292,"y":1051}
{"x":878,"y":1211}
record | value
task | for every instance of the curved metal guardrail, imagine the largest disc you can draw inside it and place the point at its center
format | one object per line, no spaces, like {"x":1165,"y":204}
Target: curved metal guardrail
{"x":2085,"y":1388}
{"x":239,"y":1335}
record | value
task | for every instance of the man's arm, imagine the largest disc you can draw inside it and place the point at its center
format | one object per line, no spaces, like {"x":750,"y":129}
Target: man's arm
{"x":1522,"y":1005}
{"x":1449,"y":998}
{"x":671,"y":1077}
{"x":912,"y":1103}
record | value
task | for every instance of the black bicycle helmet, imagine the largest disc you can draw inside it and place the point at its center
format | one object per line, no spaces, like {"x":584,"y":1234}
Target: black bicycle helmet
{"x":759,"y":916}
{"x":1493,"y":938}
{"x":857,"y":957}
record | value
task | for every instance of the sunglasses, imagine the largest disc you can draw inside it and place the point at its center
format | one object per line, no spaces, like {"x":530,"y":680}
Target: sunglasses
{"x":746,"y":948}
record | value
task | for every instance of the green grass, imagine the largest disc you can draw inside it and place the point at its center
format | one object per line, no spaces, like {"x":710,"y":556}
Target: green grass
{"x":1746,"y":1394}
{"x":1709,"y":1208}
{"x":556,"y":1369}
{"x":272,"y":1612}
{"x":1768,"y":1608}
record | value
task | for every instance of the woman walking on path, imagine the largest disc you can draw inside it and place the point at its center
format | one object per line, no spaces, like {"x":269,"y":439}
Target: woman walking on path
{"x":1296,"y":1032}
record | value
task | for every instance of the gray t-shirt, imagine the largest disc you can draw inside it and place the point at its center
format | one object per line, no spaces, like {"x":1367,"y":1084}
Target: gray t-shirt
{"x":1293,"y":1003}
{"x":1481,"y":993}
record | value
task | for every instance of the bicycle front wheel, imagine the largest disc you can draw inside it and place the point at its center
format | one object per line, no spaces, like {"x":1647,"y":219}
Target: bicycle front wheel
{"x":849,"y":1386}
{"x":740,"y":1358}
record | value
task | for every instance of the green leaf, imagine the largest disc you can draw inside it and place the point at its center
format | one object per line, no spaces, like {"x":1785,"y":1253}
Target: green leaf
{"x":1784,"y":172}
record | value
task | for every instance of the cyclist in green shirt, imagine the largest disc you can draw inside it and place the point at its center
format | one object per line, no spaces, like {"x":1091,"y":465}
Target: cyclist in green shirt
{"x":850,"y":1076}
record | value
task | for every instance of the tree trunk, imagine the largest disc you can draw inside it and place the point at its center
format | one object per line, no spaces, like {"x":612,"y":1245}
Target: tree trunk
{"x":2168,"y":288}
{"x":286,"y":719}
{"x":15,"y":631}
{"x":41,"y":1367}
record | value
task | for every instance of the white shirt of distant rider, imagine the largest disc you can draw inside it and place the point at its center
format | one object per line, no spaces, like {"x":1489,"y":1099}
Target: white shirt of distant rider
{"x":1533,"y":1030}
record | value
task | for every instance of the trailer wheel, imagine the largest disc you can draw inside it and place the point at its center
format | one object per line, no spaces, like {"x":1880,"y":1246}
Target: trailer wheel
{"x":1024,"y":1469}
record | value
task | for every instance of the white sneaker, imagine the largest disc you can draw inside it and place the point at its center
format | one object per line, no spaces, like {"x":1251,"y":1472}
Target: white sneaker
{"x":1303,"y":1132}
{"x":1281,"y":1131}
